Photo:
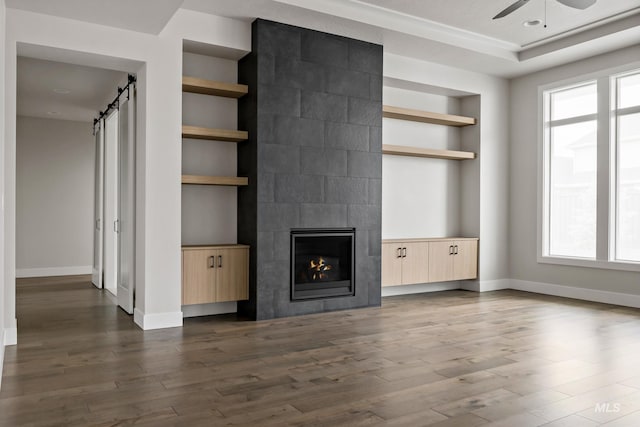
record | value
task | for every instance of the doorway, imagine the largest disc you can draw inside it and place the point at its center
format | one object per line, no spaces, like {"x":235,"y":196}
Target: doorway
{"x":70,"y":184}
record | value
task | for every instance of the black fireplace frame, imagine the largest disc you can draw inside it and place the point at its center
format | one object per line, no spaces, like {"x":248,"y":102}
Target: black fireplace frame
{"x":336,"y":289}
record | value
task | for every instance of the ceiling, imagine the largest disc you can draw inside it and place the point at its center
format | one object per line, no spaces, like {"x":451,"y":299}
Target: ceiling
{"x":476,"y":16}
{"x":43,"y":85}
{"x":459,"y":33}
{"x":146,"y":16}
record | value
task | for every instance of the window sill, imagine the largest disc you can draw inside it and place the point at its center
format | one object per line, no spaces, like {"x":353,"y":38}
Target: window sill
{"x":590,"y":263}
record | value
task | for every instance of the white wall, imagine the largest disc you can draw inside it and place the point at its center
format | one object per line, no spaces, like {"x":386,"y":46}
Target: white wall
{"x":488,"y":201}
{"x":209,"y":213}
{"x":420,"y":196}
{"x":3,"y":285}
{"x":157,"y":61}
{"x":54,"y":197}
{"x":524,"y":180}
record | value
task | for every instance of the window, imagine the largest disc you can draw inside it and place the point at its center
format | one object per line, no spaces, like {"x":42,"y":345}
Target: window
{"x":627,"y":143}
{"x":591,"y":173}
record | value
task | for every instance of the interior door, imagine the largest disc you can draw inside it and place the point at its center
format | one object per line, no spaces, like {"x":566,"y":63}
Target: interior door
{"x":98,"y":208}
{"x":111,"y":203}
{"x":126,"y":203}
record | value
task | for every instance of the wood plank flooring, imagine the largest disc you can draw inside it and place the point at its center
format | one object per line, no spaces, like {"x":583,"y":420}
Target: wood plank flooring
{"x":453,"y":358}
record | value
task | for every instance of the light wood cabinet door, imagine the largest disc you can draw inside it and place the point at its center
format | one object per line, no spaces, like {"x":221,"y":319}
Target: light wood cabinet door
{"x":415,"y":263}
{"x":391,"y":264}
{"x":440,"y":261}
{"x":232,"y":274}
{"x":198,"y":276}
{"x":465,"y":261}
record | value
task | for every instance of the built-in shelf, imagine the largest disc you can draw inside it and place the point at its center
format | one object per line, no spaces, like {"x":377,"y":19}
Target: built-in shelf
{"x":212,"y":87}
{"x":214,"y":134}
{"x":426,"y":116}
{"x":236,"y":181}
{"x":400,"y":150}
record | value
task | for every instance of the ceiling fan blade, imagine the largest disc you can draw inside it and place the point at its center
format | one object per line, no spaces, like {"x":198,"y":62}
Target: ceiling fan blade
{"x":577,"y":4}
{"x":515,"y":6}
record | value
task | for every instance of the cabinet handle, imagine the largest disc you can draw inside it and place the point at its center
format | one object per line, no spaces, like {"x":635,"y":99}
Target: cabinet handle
{"x":212,"y":262}
{"x":399,"y":253}
{"x":404,"y":252}
{"x":219,"y":261}
{"x":450,"y":249}
{"x":456,"y":251}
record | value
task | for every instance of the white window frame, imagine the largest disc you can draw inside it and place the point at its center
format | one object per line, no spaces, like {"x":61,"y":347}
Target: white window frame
{"x":606,"y":181}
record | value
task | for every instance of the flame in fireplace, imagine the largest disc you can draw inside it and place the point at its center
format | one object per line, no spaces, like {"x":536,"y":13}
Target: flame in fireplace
{"x":318,"y":268}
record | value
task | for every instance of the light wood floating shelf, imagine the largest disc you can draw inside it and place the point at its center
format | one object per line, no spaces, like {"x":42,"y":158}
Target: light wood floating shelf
{"x":426,"y":116}
{"x":237,"y":181}
{"x":211,"y":87}
{"x":214,"y":134}
{"x":400,"y":150}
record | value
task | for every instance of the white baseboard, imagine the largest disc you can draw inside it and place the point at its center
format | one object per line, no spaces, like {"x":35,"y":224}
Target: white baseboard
{"x":53,"y":271}
{"x":485,"y":285}
{"x":196,"y":310}
{"x":616,"y":298}
{"x":389,"y":291}
{"x":157,"y":320}
{"x":1,"y":355}
{"x":11,"y":333}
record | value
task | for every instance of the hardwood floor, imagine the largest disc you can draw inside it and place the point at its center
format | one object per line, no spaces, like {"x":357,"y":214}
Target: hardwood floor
{"x":454,"y":358}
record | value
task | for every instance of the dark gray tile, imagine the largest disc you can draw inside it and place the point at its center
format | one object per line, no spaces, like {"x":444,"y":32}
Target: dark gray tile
{"x":276,"y":39}
{"x":347,"y":190}
{"x":342,"y":303}
{"x":365,"y":57}
{"x":282,"y":245}
{"x":324,"y":106}
{"x":364,"y":216}
{"x":346,"y":136}
{"x":375,"y":191}
{"x":275,"y":158}
{"x":316,"y":161}
{"x":264,"y":246}
{"x":364,"y":164}
{"x":278,"y":216}
{"x":365,"y":112}
{"x":323,"y":215}
{"x":279,"y":100}
{"x":299,"y":131}
{"x":346,"y":82}
{"x":265,"y":134}
{"x":375,"y":88}
{"x":266,"y":69}
{"x":325,"y":49}
{"x":375,"y":242}
{"x":285,"y":307}
{"x":375,"y":139}
{"x":291,"y":188}
{"x":266,"y":188}
{"x":290,"y":72}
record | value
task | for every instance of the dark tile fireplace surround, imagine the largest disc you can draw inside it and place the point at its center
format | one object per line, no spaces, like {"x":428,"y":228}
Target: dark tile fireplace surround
{"x":314,"y":162}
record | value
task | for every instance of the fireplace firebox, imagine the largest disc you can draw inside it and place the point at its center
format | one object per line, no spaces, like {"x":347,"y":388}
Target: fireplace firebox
{"x":322,"y":263}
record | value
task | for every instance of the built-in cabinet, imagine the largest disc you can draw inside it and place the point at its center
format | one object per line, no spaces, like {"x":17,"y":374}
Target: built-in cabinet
{"x":215,"y":273}
{"x":412,"y":261}
{"x":453,"y":260}
{"x":403,"y":263}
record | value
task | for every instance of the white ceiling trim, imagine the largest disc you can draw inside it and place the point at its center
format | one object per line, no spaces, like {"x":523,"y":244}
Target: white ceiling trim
{"x":396,"y":21}
{"x":609,"y":24}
